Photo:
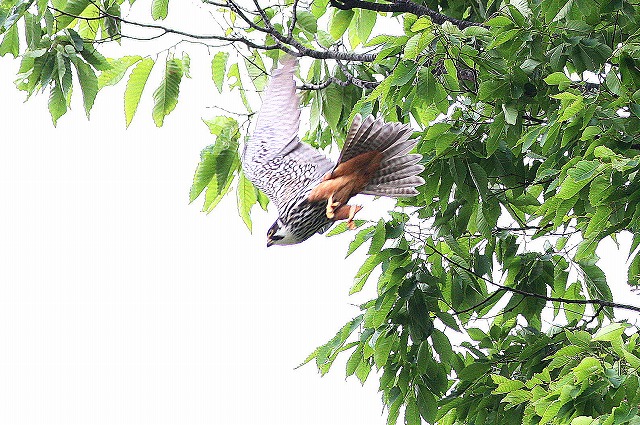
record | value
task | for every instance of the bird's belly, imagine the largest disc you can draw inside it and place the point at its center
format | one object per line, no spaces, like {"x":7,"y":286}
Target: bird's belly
{"x":308,"y":219}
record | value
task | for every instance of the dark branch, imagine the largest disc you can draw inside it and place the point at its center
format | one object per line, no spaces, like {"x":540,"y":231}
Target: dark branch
{"x":596,"y":302}
{"x":403,"y":6}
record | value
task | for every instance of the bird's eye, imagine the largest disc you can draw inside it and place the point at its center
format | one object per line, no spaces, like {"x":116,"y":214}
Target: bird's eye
{"x":276,"y":237}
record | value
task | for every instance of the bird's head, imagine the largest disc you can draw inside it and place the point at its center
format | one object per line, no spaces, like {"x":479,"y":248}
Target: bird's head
{"x":280,"y":234}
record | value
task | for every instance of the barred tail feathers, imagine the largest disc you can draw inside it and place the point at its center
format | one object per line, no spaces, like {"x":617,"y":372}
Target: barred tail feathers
{"x":398,"y":174}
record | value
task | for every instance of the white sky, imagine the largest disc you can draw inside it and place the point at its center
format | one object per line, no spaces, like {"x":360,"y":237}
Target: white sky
{"x":122,"y":304}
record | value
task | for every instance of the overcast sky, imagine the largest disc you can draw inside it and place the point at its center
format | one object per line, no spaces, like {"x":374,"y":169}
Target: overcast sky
{"x":122,"y":304}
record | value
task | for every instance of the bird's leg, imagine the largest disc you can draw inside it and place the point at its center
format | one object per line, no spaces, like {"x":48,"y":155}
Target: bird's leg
{"x":347,"y":212}
{"x":353,"y":209}
{"x":331,"y":207}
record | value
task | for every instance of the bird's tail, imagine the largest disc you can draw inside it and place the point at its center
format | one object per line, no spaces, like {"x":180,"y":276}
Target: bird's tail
{"x":398,"y":173}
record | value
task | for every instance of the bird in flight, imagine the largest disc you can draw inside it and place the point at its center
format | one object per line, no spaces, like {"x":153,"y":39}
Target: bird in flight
{"x":309,"y":190}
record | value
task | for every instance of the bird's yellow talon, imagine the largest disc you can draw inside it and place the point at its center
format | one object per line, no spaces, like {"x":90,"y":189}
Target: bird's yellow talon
{"x":331,"y":207}
{"x":353,"y":209}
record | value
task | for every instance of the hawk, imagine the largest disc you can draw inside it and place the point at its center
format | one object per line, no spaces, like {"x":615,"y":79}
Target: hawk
{"x":308,"y":189}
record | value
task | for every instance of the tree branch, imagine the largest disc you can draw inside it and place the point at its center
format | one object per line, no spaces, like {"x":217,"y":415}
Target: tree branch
{"x":403,"y":6}
{"x":597,"y":302}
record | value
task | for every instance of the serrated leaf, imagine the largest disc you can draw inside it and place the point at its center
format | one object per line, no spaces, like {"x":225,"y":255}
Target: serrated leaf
{"x":135,"y":86}
{"x":72,"y":9}
{"x":353,"y":362}
{"x":363,"y":273}
{"x":118,"y":70}
{"x":256,"y":70}
{"x":502,"y":38}
{"x":343,"y":227}
{"x":88,"y":84}
{"x":570,"y":187}
{"x":598,"y":221}
{"x":332,"y":101}
{"x":166,"y":95}
{"x":159,"y":9}
{"x":227,"y":162}
{"x":365,"y":21}
{"x":558,"y":79}
{"x":360,"y":238}
{"x":362,"y":371}
{"x":10,"y":42}
{"x":493,"y":89}
{"x":219,"y":68}
{"x":378,"y":239}
{"x":94,"y":57}
{"x":427,"y":404}
{"x":307,"y":21}
{"x":383,"y":347}
{"x":510,"y":113}
{"x":611,"y":332}
{"x":339,"y":23}
{"x":583,"y":170}
{"x":246,"y":199}
{"x":57,"y":103}
{"x":412,"y":413}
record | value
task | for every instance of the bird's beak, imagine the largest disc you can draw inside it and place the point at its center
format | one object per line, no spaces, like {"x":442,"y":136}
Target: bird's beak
{"x":269,"y":242}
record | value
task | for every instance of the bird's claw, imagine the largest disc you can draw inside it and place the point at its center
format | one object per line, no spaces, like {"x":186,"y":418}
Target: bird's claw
{"x":331,"y":207}
{"x":353,"y":209}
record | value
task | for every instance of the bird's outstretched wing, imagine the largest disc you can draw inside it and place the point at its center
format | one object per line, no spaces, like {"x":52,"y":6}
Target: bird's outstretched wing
{"x":274,"y":159}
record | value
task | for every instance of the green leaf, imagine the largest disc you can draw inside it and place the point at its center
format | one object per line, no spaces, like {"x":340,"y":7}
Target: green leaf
{"x":166,"y":95}
{"x":246,"y":199}
{"x":343,"y":227}
{"x":362,"y":371}
{"x":611,"y":332}
{"x":135,"y":86}
{"x":598,"y":221}
{"x":365,"y":21}
{"x":10,"y":42}
{"x":333,"y":96}
{"x":307,"y":21}
{"x":363,"y":273}
{"x":379,"y":238}
{"x":118,"y":70}
{"x":95,"y":58}
{"x":583,"y":170}
{"x":217,"y":164}
{"x":570,"y":187}
{"x":442,"y":346}
{"x":159,"y":9}
{"x":633,"y":274}
{"x":558,"y":79}
{"x":492,"y":89}
{"x":383,"y":347}
{"x":354,"y":361}
{"x":412,"y":413}
{"x":219,"y":68}
{"x":71,"y":9}
{"x":339,"y":23}
{"x":502,"y":38}
{"x":510,"y":114}
{"x":88,"y":84}
{"x":360,"y":238}
{"x":57,"y":103}
{"x":427,"y":404}
{"x":256,"y":70}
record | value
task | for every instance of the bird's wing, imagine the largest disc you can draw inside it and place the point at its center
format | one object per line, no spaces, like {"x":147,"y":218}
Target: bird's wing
{"x":273,"y":158}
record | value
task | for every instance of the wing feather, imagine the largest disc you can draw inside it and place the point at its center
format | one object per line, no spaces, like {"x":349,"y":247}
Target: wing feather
{"x":273,"y":158}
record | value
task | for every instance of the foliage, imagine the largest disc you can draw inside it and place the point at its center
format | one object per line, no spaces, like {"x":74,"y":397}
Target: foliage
{"x":528,"y":116}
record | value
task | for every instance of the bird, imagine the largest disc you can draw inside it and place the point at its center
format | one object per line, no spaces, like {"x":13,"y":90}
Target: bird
{"x":310,"y":191}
